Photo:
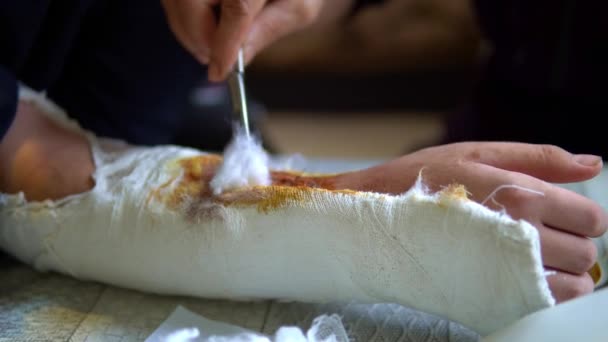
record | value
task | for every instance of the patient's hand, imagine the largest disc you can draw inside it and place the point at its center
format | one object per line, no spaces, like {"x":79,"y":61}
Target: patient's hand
{"x":42,"y":159}
{"x":563,"y":218}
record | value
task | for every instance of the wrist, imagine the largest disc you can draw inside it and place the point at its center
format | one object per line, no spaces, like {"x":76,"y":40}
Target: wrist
{"x":393,"y":177}
{"x":42,"y":159}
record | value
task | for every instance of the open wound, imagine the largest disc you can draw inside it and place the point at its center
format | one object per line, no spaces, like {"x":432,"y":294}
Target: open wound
{"x":188,"y":190}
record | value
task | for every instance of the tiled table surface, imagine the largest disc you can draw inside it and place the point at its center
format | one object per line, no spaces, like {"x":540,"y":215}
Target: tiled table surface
{"x":51,"y":307}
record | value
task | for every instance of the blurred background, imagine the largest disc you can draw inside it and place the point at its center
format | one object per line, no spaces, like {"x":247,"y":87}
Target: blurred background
{"x":369,"y":79}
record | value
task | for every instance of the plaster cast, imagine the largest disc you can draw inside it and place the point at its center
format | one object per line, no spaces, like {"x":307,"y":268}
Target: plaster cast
{"x":153,"y":223}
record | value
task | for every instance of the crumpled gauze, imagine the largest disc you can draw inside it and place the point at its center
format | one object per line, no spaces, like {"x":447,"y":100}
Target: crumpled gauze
{"x":185,"y":326}
{"x":151,"y":223}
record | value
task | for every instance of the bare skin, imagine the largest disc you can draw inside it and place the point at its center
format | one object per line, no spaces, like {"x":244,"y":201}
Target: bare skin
{"x":46,"y":161}
{"x":42,"y":159}
{"x":251,"y":24}
{"x":564,"y":219}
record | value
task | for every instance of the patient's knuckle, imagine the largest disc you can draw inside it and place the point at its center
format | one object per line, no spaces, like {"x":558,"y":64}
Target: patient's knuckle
{"x":586,"y":256}
{"x":519,"y":198}
{"x":595,"y":224}
{"x":579,"y":286}
{"x":548,"y":151}
{"x":472,"y":155}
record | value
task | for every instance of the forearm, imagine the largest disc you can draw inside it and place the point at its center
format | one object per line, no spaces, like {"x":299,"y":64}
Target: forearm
{"x":42,"y":159}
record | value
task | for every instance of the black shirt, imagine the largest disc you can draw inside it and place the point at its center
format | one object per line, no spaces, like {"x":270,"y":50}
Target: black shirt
{"x":113,"y":65}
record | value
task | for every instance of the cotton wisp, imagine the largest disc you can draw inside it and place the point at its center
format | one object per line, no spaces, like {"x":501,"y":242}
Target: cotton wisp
{"x":245,"y":164}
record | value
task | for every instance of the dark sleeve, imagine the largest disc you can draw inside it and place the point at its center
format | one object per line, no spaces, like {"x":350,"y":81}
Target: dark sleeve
{"x":34,"y":41}
{"x":130,"y":79}
{"x":20,"y":22}
{"x":36,"y":37}
{"x":114,"y":65}
{"x":8,"y":100}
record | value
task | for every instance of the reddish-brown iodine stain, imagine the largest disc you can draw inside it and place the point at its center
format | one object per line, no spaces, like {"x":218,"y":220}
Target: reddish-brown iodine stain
{"x":192,"y":193}
{"x":283,"y":178}
{"x":189,"y":191}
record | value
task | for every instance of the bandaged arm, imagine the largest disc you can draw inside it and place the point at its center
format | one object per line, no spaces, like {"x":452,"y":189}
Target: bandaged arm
{"x":151,"y":223}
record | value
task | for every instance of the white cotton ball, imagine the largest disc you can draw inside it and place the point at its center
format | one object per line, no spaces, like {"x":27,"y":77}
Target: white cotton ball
{"x":245,"y":164}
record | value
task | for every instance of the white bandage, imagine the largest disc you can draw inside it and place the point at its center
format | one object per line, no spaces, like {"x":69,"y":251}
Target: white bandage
{"x":145,"y":226}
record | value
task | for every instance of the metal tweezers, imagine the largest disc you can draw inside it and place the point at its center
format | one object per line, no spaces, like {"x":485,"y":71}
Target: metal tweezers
{"x":236,"y":83}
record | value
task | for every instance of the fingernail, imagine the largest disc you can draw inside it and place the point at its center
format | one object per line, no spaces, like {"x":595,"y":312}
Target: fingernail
{"x":587,"y":159}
